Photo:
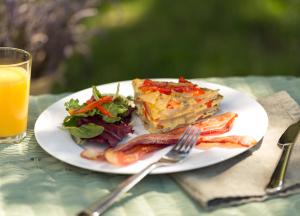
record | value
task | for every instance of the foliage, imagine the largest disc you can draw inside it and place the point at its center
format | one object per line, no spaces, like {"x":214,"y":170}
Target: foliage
{"x":50,"y":30}
{"x":168,"y":38}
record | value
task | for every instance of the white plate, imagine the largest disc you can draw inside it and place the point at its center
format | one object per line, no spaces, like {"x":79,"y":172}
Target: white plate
{"x":252,"y":120}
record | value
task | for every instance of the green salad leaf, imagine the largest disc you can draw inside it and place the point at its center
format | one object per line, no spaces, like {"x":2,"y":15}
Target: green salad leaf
{"x":116,"y":110}
{"x":70,"y":121}
{"x":96,"y":94}
{"x":112,"y":119}
{"x":117,"y":92}
{"x":85,"y":131}
{"x":72,"y":104}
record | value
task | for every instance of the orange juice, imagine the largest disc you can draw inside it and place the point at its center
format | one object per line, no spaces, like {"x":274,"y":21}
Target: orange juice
{"x":14,"y":93}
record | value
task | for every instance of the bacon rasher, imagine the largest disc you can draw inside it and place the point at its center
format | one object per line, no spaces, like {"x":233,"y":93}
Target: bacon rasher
{"x":214,"y":125}
{"x":233,"y":141}
{"x":137,"y":148}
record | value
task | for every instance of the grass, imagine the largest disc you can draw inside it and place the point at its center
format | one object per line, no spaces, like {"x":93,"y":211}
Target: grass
{"x":153,"y":38}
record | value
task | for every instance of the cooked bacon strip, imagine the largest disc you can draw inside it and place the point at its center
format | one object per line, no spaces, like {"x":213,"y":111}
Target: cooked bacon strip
{"x":93,"y":154}
{"x":124,"y":156}
{"x":211,"y":126}
{"x":137,"y":148}
{"x":133,"y":150}
{"x":214,"y":125}
{"x":205,"y":142}
{"x":129,"y":156}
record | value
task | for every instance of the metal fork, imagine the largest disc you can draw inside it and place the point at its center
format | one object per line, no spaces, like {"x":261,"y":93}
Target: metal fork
{"x":180,"y":151}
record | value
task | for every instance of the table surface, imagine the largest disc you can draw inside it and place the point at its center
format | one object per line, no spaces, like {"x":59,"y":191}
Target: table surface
{"x":34,"y":183}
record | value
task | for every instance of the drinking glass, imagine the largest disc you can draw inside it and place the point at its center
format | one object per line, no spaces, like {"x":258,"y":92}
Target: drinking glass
{"x":15,"y":69}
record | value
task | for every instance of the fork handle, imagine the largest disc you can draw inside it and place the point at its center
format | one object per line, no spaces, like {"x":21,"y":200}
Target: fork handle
{"x":104,"y":203}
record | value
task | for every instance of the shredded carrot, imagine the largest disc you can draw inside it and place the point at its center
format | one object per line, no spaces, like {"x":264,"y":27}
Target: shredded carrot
{"x":92,"y":105}
{"x":103,"y":110}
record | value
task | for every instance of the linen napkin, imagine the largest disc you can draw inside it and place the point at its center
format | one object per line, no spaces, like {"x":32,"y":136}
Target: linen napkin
{"x":244,"y":178}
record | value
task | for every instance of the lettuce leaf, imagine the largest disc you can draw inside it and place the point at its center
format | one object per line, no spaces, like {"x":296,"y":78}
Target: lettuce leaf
{"x":70,"y":121}
{"x":112,"y":119}
{"x":119,"y":108}
{"x":72,"y":104}
{"x":96,"y":93}
{"x":116,"y":110}
{"x":85,"y":131}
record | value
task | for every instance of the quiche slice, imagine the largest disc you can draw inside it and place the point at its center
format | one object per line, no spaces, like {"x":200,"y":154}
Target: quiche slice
{"x":164,"y":106}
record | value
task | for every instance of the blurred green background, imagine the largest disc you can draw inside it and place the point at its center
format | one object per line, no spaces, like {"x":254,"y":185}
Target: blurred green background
{"x":79,"y":43}
{"x":194,"y":38}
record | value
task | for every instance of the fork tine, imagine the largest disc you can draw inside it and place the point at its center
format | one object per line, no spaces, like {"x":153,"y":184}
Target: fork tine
{"x":184,"y":142}
{"x":191,"y":138}
{"x":188,"y":140}
{"x":193,"y":141}
{"x":182,"y":138}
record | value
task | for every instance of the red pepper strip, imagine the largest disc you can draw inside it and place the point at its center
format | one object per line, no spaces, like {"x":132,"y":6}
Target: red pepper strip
{"x":167,"y":87}
{"x":165,"y":91}
{"x":162,"y":87}
{"x":209,"y":104}
{"x":148,"y":82}
{"x":91,"y":105}
{"x":186,"y":88}
{"x":162,"y":90}
{"x":149,"y":88}
{"x":195,"y":88}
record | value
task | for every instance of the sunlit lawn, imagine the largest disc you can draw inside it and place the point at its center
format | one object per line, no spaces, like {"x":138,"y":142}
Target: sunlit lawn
{"x":168,"y":38}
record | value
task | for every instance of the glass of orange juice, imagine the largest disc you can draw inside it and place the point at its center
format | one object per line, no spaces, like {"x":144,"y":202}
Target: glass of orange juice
{"x":15,"y":69}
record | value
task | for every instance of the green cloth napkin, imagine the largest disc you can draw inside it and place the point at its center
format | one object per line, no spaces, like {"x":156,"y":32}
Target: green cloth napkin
{"x":33,"y":183}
